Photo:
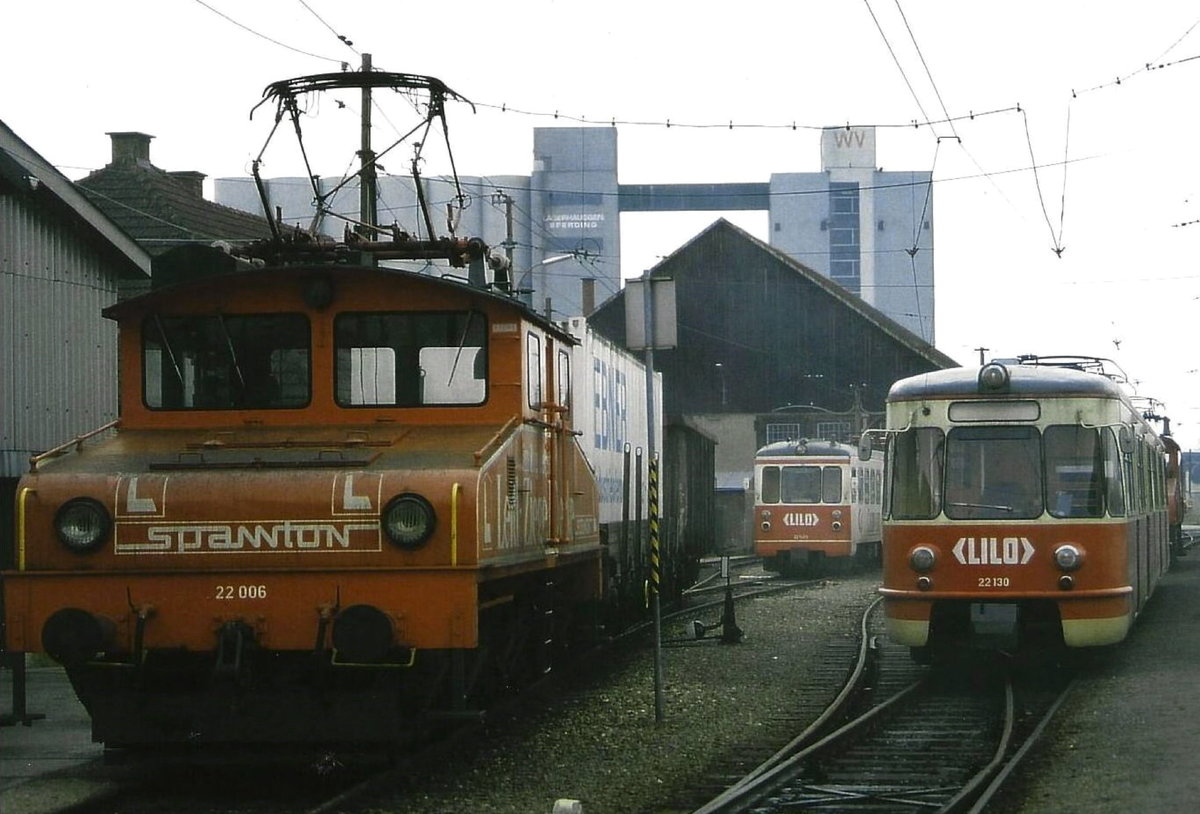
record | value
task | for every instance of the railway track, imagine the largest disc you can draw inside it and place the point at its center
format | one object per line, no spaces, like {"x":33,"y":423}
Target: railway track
{"x":326,"y":783}
{"x":903,"y":738}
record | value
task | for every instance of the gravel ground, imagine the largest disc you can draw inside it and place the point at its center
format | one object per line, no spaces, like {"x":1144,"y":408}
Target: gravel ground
{"x":1127,"y":739}
{"x":599,"y":743}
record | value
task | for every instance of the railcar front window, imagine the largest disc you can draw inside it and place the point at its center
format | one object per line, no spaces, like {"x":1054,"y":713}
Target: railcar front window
{"x":410,"y":359}
{"x":915,"y":474}
{"x":226,"y":362}
{"x":801,"y":484}
{"x":1074,"y":472}
{"x":993,"y":473}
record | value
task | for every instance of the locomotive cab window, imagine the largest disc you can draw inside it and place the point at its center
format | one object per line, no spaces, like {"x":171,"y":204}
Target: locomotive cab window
{"x":225,"y":362}
{"x":533,"y":370}
{"x":563,"y":377}
{"x":410,"y":359}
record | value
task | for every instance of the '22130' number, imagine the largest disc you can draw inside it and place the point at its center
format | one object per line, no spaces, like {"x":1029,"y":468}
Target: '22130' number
{"x":993,"y":582}
{"x":241,"y":592}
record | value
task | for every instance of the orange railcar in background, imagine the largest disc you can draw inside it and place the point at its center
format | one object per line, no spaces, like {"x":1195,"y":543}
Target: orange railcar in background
{"x":816,"y":503}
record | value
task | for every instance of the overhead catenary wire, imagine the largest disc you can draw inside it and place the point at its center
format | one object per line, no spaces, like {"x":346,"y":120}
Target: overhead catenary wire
{"x":730,"y":124}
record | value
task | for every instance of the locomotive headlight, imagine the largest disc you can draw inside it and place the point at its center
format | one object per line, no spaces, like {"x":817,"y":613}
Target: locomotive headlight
{"x":1068,"y":557}
{"x":837,"y":514}
{"x":409,"y":521}
{"x":82,"y":524}
{"x":922,"y":558}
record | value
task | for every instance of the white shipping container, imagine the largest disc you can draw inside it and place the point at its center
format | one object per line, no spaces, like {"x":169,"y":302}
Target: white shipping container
{"x":609,"y":409}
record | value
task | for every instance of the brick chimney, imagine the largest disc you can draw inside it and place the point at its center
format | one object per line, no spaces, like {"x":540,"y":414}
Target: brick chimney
{"x":130,"y":148}
{"x":191,"y":180}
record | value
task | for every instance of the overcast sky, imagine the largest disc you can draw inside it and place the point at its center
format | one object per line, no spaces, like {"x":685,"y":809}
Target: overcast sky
{"x":1100,"y":96}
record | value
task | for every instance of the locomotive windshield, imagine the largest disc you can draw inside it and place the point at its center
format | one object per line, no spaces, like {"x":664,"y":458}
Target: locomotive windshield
{"x":410,"y":359}
{"x":1005,"y":473}
{"x":219,"y":362}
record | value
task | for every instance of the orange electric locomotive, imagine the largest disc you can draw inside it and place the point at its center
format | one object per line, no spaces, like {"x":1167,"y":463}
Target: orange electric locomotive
{"x":1025,"y":505}
{"x":336,"y":496}
{"x":816,"y":503}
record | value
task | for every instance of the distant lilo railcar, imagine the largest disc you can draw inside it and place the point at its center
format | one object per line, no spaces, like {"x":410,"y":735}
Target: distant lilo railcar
{"x":1025,"y":505}
{"x":816,"y":503}
{"x":339,"y":500}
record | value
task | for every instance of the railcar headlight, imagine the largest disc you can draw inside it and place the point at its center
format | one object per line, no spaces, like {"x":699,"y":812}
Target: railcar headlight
{"x":82,"y":524}
{"x":993,"y":377}
{"x":837,"y":514}
{"x":1068,"y":557}
{"x":922,"y":558}
{"x":409,"y":521}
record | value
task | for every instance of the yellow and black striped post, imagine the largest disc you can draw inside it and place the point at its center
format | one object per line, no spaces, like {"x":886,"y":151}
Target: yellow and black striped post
{"x":655,"y":580}
{"x":655,"y":564}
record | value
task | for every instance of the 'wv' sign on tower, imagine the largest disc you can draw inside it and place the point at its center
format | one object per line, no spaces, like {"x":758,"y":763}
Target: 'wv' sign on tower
{"x":848,"y":147}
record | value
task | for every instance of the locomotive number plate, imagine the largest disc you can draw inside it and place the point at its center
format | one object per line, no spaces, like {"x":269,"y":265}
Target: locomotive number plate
{"x":223,"y":592}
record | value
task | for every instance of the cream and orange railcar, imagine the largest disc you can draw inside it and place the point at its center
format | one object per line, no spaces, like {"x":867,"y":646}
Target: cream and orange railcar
{"x":816,"y":503}
{"x":1025,"y":504}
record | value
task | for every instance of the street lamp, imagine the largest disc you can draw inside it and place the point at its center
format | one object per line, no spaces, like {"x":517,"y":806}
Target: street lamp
{"x":527,"y":288}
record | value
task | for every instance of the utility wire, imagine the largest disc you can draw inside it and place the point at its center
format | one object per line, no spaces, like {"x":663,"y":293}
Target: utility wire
{"x":345,"y":41}
{"x":1154,"y":65}
{"x":1062,"y":211}
{"x":896,"y":59}
{"x":1058,"y":248}
{"x":928,"y":73}
{"x":260,"y":35}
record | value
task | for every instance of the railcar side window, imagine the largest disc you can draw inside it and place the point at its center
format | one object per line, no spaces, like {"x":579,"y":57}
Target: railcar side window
{"x":1113,"y":475}
{"x":226,"y":362}
{"x":769,"y":484}
{"x":914,"y":488}
{"x":831,"y":484}
{"x":993,"y":473}
{"x":1074,"y":471}
{"x":410,"y":359}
